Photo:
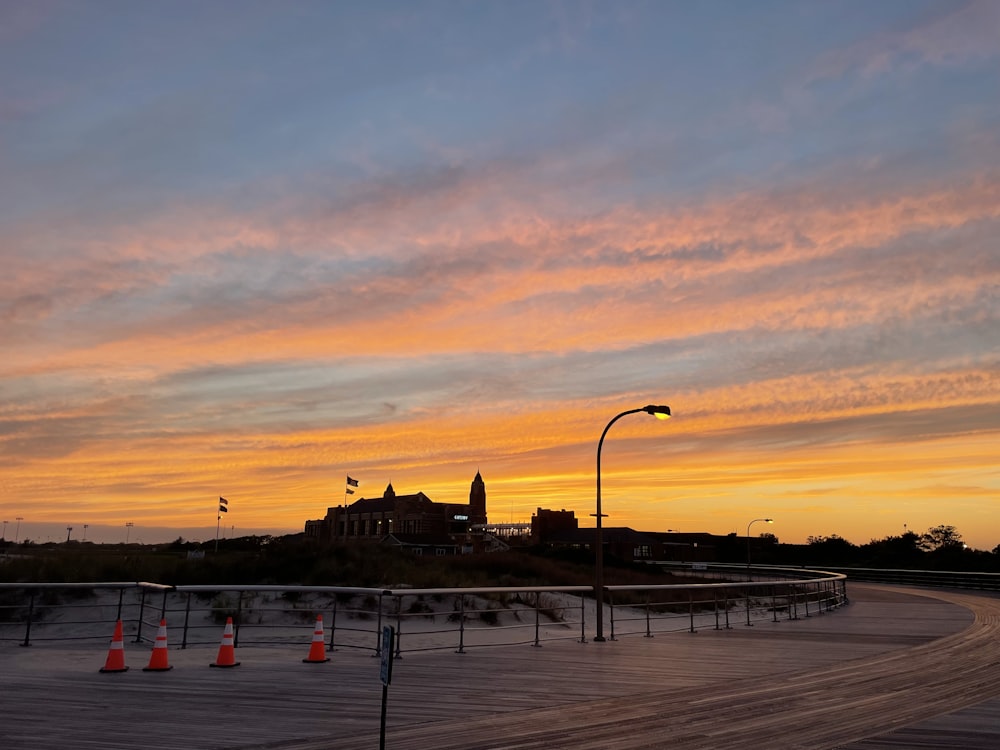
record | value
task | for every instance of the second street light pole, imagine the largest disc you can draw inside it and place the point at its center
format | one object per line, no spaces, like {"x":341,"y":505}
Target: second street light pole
{"x":660,"y":412}
{"x":765,"y":520}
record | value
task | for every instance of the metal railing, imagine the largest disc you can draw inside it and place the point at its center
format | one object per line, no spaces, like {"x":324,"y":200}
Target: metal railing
{"x":677,"y":607}
{"x":33,"y":603}
{"x":928,"y":578}
{"x":424,"y":619}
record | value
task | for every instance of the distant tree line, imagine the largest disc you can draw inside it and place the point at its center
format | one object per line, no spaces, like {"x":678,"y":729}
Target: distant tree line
{"x":295,"y":559}
{"x":939,"y":548}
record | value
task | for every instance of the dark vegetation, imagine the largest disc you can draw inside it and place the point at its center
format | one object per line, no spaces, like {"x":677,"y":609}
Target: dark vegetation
{"x":293,"y":560}
{"x":939,"y":548}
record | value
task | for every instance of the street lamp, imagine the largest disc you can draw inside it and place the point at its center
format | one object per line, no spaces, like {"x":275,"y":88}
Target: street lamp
{"x":765,"y":520}
{"x":660,"y":412}
{"x":128,"y":530}
{"x":17,"y":529}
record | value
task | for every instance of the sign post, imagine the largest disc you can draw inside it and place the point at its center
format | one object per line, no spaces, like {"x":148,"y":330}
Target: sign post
{"x":388,"y":645}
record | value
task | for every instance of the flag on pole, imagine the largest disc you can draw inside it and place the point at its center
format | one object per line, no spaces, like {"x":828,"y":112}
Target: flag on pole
{"x":223,"y":509}
{"x":223,"y":501}
{"x":349,"y":491}
{"x":351,"y":482}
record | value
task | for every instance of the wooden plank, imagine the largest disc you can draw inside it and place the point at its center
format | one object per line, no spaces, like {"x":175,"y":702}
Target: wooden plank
{"x":890,"y":659}
{"x":973,"y":728}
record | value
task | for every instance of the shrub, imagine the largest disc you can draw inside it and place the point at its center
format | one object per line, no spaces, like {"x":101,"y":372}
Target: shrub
{"x":418,"y":607}
{"x":223,"y":607}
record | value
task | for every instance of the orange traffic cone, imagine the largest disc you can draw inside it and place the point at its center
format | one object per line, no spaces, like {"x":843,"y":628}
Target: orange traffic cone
{"x":227,"y":653}
{"x":116,"y":653}
{"x":158,"y":659}
{"x":317,"y":651}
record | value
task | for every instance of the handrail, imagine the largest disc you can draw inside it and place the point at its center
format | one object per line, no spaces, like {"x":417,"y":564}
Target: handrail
{"x":963,"y":579}
{"x":424,"y":618}
{"x":89,"y":585}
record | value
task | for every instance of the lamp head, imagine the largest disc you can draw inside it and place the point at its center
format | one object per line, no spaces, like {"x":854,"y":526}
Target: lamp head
{"x":768,"y":520}
{"x":660,"y":412}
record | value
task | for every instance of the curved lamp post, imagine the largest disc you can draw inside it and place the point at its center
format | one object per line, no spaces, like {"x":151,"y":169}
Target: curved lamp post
{"x":765,"y":520}
{"x":660,"y":412}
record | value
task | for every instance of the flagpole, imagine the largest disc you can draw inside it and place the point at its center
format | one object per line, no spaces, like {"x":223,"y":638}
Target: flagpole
{"x":351,"y":482}
{"x":223,"y":508}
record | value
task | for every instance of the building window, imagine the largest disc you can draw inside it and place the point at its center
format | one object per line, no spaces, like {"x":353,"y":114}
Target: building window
{"x":642,"y":551}
{"x":418,"y":551}
{"x":441,"y":551}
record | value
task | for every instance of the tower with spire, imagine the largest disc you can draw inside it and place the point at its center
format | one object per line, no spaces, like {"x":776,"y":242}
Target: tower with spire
{"x":477,"y":500}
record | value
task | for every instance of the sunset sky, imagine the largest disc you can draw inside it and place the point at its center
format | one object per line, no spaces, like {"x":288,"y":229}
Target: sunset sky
{"x":248,"y":248}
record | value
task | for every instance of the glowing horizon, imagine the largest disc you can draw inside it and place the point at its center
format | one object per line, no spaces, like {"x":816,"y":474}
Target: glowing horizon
{"x":407,"y":244}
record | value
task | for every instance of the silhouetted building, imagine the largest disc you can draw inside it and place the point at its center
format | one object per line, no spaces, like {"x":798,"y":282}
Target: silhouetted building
{"x":559,"y":529}
{"x":546,"y":523}
{"x":427,"y":544}
{"x":410,"y":521}
{"x":619,"y":541}
{"x":477,"y":500}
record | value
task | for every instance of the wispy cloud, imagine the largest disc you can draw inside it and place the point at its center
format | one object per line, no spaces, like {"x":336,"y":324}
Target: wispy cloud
{"x":952,"y":34}
{"x":255,"y":275}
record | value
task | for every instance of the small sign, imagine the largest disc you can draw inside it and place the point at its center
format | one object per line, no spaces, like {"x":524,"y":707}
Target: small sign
{"x":388,"y":644}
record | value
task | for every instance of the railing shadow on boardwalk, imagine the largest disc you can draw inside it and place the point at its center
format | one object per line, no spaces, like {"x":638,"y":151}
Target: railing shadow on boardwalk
{"x":424,"y":619}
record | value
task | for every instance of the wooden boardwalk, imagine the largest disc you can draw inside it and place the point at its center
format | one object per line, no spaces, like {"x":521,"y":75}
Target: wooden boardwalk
{"x":894,"y":669}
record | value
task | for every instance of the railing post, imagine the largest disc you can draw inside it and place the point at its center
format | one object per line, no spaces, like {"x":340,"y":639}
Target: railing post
{"x":691,"y":610}
{"x":187,"y":617}
{"x":583,"y":618}
{"x":538,"y":595}
{"x":611,"y":606}
{"x":239,"y":618}
{"x":142,"y":610}
{"x":649,"y":633}
{"x":461,"y":624}
{"x":774,"y":604}
{"x":121,"y":597}
{"x":378,"y":628}
{"x":31,"y":614}
{"x":819,"y":598}
{"x":163,"y":609}
{"x":399,"y":626}
{"x":333,"y":624}
{"x":746,"y":599}
{"x":715,"y":607}
{"x":728,"y":626}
